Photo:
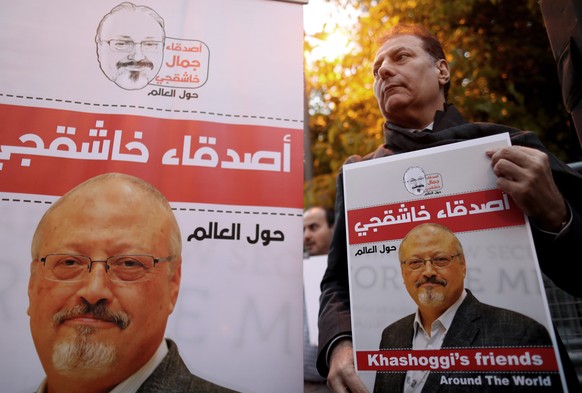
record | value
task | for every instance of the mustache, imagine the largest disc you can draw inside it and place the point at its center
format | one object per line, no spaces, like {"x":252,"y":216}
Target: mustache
{"x":98,"y":311}
{"x":431,"y":280}
{"x":132,"y":63}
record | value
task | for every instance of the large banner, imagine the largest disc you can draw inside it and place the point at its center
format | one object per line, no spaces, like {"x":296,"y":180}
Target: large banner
{"x":212,"y":115}
{"x":483,"y":348}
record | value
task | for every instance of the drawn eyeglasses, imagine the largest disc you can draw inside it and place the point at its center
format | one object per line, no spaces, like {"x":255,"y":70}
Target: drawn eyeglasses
{"x":127,"y":46}
{"x":438,"y":262}
{"x":119,"y":268}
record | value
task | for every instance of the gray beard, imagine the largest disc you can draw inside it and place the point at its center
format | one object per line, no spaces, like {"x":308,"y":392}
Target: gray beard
{"x":428,"y":297}
{"x":84,"y":355}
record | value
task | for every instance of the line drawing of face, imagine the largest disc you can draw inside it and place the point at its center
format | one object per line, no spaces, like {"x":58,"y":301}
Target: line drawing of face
{"x":415,"y":180}
{"x":130,"y":45}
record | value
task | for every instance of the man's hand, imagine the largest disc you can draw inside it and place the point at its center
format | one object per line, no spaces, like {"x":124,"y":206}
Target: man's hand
{"x":524,"y":173}
{"x":342,"y":375}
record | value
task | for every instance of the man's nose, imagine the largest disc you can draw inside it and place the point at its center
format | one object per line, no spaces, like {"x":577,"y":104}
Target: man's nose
{"x":97,"y":286}
{"x":428,"y":269}
{"x":136,"y":53}
{"x":385,"y":71}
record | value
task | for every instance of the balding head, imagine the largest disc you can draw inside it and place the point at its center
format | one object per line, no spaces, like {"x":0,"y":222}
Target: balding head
{"x":121,"y":190}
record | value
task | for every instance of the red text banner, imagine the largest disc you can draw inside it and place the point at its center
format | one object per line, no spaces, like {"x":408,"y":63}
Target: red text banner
{"x":487,"y":209}
{"x":48,"y":151}
{"x":474,"y":359}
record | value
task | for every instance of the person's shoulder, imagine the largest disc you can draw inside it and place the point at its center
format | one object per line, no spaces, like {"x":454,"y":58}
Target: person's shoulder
{"x":398,"y":334}
{"x":172,"y":375}
{"x":200,"y":385}
{"x":403,"y":323}
{"x":506,"y":317}
{"x":500,"y":314}
{"x":505,"y":313}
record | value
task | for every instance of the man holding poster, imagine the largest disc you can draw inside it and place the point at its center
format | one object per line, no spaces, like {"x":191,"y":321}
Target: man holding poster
{"x":433,"y":268}
{"x":105,"y":277}
{"x":412,"y":78}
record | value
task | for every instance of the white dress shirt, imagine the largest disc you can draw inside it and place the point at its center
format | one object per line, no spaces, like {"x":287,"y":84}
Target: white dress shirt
{"x":415,"y":379}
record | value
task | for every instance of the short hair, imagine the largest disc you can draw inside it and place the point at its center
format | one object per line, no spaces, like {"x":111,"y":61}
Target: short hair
{"x":329,"y":216}
{"x":328,"y":213}
{"x":430,"y":43}
{"x":127,"y":6}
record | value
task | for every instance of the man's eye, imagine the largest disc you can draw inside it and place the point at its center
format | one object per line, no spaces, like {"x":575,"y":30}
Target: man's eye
{"x":401,"y":56}
{"x":132,"y":263}
{"x":66,"y":262}
{"x":150,"y":44}
{"x":128,"y":263}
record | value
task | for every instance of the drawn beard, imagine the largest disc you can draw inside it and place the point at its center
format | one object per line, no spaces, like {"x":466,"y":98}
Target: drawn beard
{"x":83,"y":355}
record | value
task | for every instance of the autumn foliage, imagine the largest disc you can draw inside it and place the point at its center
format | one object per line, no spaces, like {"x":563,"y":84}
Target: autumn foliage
{"x":502,"y":68}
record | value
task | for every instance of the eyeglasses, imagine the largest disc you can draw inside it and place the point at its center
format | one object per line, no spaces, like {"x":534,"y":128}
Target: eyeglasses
{"x":439,"y":262}
{"x":415,"y":180}
{"x":127,"y":46}
{"x":120,"y":268}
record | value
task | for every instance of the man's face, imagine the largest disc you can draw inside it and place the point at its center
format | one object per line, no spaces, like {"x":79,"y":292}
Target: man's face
{"x":430,"y":287}
{"x":316,"y":232}
{"x":408,"y":82}
{"x":131,"y":68}
{"x":415,"y":181}
{"x":101,"y":223}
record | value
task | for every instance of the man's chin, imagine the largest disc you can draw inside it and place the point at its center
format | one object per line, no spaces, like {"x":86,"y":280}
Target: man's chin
{"x":83,"y":355}
{"x":394,"y":108}
{"x":132,"y":80}
{"x":431,"y":297}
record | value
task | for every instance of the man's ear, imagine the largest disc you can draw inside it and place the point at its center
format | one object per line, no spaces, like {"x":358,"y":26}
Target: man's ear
{"x":444,"y":72}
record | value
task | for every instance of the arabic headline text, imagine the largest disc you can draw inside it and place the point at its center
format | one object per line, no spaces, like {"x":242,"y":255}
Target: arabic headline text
{"x":463,"y":212}
{"x":36,"y":142}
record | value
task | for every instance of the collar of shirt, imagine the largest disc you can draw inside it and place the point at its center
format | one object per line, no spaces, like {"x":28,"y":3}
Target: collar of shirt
{"x":133,"y":383}
{"x":392,"y":126}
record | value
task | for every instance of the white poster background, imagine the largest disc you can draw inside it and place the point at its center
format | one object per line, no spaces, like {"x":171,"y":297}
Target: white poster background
{"x":238,"y":321}
{"x":502,"y":269}
{"x":313,"y":271}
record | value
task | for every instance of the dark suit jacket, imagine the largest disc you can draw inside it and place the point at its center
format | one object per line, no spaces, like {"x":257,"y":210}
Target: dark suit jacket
{"x":475,"y":325}
{"x":172,"y":376}
{"x":449,"y":127}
